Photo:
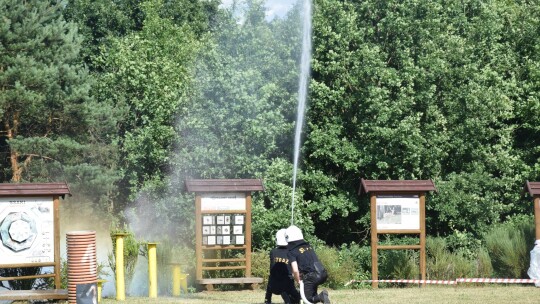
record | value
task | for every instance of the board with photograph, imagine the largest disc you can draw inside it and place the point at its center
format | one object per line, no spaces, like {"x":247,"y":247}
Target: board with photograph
{"x":398,"y":212}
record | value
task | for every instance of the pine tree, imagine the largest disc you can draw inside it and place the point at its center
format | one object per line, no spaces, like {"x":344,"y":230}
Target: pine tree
{"x":50,"y":127}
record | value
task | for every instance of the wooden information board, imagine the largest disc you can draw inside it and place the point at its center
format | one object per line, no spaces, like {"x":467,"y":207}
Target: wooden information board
{"x":223,"y":223}
{"x":397,"y":207}
{"x":30,"y":233}
{"x":534,"y":190}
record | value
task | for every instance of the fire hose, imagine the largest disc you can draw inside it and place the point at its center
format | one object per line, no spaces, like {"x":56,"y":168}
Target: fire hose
{"x":302,"y":294}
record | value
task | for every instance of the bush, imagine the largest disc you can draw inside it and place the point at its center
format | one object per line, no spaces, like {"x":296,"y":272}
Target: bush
{"x":484,"y":267}
{"x":509,"y":244}
{"x":341,"y":269}
{"x":444,"y":264}
{"x":398,"y":264}
{"x":131,"y":253}
{"x":260,"y":265}
{"x":24,"y":284}
{"x":360,"y":255}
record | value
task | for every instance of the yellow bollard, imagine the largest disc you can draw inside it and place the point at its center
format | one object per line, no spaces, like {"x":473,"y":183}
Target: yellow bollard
{"x":99,"y":289}
{"x":183,"y":282}
{"x":179,"y":280}
{"x":176,"y":280}
{"x":152,"y":271}
{"x":119,"y":258}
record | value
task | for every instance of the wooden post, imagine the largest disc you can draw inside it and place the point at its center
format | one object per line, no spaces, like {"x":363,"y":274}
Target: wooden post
{"x":374,"y":241}
{"x":56,"y":215}
{"x":198,"y":237}
{"x":423,"y":237}
{"x":407,"y":196}
{"x":537,"y":216}
{"x":247,"y":222}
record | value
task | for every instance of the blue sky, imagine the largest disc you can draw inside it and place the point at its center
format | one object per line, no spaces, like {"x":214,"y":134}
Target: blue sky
{"x":273,"y":7}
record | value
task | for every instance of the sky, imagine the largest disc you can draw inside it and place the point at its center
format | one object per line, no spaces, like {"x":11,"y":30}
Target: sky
{"x":274,"y":8}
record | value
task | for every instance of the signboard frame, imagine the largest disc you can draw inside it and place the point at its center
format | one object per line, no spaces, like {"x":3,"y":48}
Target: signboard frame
{"x":52,"y":191}
{"x":403,"y":194}
{"x":227,"y":202}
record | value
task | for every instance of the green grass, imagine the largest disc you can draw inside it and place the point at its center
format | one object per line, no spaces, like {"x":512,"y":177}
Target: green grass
{"x":411,"y":295}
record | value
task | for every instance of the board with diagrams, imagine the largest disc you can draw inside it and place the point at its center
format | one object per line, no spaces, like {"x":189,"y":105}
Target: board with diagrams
{"x":223,"y":229}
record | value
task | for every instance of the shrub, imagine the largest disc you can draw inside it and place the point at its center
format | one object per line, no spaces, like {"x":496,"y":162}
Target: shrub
{"x":341,"y":269}
{"x":484,"y":268}
{"x":508,"y":245}
{"x":260,"y":265}
{"x":442,"y":264}
{"x":398,"y":264}
{"x":24,"y":284}
{"x":360,"y":255}
{"x":131,"y":253}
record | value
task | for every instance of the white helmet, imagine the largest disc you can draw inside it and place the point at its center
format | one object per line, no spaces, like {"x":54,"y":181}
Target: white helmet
{"x":293,"y":233}
{"x":280,"y":238}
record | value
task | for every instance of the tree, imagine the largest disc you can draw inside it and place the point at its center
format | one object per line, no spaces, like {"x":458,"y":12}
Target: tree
{"x":147,"y":74}
{"x":416,"y":90}
{"x":43,"y":88}
{"x":101,"y":21}
{"x":52,"y":129}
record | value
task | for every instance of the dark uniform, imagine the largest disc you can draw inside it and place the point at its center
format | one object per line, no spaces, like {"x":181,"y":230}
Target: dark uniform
{"x":281,"y":281}
{"x":311,"y":270}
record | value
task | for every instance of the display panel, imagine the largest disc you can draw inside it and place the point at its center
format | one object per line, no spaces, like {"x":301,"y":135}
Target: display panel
{"x":26,"y":230}
{"x":398,"y":212}
{"x":223,"y":229}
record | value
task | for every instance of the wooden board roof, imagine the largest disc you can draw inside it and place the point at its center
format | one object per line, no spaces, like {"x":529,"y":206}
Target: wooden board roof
{"x":34,"y":189}
{"x":533,"y":188}
{"x":389,"y":186}
{"x":223,"y":185}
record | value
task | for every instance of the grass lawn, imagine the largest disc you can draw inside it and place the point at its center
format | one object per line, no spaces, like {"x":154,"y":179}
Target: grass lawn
{"x":410,"y":295}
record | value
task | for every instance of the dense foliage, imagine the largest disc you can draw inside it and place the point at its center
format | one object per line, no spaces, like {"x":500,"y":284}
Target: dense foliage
{"x":176,"y":89}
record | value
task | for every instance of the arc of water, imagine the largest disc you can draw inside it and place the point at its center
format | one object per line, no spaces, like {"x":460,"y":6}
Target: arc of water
{"x":302,"y":91}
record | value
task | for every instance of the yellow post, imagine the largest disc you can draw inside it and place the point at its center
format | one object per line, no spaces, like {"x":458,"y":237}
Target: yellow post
{"x":183,"y":282}
{"x":99,"y":289}
{"x":152,"y":270}
{"x":176,"y":273}
{"x":119,"y":259}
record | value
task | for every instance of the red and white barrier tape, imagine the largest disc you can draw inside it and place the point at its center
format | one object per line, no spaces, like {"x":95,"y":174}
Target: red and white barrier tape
{"x":443,"y":282}
{"x":488,"y":280}
{"x":453,"y":282}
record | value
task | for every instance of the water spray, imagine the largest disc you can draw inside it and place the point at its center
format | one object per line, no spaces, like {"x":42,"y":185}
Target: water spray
{"x":302,"y":91}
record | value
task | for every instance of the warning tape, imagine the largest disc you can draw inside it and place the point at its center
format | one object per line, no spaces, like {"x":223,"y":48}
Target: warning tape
{"x":451,"y":282}
{"x":443,"y":282}
{"x":503,"y":281}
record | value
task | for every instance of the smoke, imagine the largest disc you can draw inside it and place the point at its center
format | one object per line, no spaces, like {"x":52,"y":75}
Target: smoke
{"x":75,"y":216}
{"x":220,"y":125}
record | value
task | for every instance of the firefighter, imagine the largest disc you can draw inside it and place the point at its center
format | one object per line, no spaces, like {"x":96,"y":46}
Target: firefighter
{"x":306,"y":267}
{"x":280,"y":281}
